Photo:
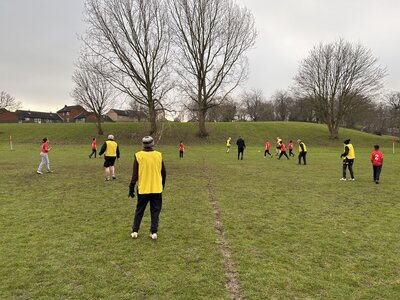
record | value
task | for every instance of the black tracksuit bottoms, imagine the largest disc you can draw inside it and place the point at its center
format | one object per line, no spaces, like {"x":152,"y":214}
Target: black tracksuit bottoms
{"x":155,"y":209}
{"x":376,"y":172}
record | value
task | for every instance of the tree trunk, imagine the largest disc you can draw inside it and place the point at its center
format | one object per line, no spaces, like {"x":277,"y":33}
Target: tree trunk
{"x":333,"y":131}
{"x":202,"y":123}
{"x":98,"y":125}
{"x":153,"y":121}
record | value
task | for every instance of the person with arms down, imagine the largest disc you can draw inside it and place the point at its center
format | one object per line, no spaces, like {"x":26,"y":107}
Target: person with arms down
{"x":110,"y":150}
{"x":348,"y":157}
{"x":228,"y":145}
{"x":267,"y":148}
{"x":149,"y":173}
{"x":44,"y":157}
{"x":181,"y":149}
{"x":241,"y":146}
{"x":377,"y":162}
{"x":94,"y":148}
{"x":291,"y":148}
{"x":302,"y":152}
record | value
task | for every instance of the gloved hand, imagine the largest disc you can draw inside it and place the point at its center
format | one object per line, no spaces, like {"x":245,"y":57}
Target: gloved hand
{"x":131,"y":192}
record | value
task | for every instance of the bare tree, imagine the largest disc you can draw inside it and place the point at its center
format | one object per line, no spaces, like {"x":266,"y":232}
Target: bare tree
{"x":225,"y":112}
{"x":256,"y":107}
{"x":393,"y":106}
{"x":133,"y":38}
{"x":335,"y":74}
{"x":8,"y":102}
{"x":211,"y":38}
{"x":282,"y":102}
{"x":92,"y":91}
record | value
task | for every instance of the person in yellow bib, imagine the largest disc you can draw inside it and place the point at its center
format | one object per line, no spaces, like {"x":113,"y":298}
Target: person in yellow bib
{"x":150,"y":175}
{"x":110,"y":150}
{"x":228,"y":145}
{"x":302,"y":152}
{"x":348,"y":157}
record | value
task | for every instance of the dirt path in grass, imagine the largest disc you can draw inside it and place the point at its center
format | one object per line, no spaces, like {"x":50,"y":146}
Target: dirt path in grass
{"x":232,"y":284}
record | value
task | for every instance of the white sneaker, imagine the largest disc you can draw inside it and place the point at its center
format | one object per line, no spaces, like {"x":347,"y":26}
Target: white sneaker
{"x":343,"y":179}
{"x":38,"y":172}
{"x":134,"y":235}
{"x":153,"y":236}
{"x":352,"y":179}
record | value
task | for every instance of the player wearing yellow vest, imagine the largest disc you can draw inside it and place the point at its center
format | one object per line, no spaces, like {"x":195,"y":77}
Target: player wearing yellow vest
{"x":228,"y":145}
{"x":110,"y":150}
{"x":302,"y":152}
{"x":348,"y":157}
{"x":149,"y":174}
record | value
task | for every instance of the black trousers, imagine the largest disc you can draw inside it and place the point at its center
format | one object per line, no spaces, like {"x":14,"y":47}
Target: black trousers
{"x":240,"y":152}
{"x":181,"y":154}
{"x":267,"y":151}
{"x":376,"y":172}
{"x":94,"y":152}
{"x":155,"y":209}
{"x":283,"y":153}
{"x":291,"y":152}
{"x":302,"y":155}
{"x":348,"y":163}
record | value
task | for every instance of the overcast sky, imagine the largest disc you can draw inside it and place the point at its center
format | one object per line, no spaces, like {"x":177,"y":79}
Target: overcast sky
{"x":39,"y":45}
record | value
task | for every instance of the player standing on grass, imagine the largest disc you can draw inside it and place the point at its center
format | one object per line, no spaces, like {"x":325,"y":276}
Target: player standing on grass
{"x":241,"y":146}
{"x":181,"y":149}
{"x":348,"y":157}
{"x":94,"y":148}
{"x":291,"y":148}
{"x":302,"y":152}
{"x":228,"y":145}
{"x":278,"y":146}
{"x":44,"y":157}
{"x":283,"y":150}
{"x":267,"y":148}
{"x":111,"y":153}
{"x":149,"y":172}
{"x":377,"y":162}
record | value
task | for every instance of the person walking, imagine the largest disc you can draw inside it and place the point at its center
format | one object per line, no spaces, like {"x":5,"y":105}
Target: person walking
{"x":278,"y":146}
{"x":241,"y":146}
{"x":181,"y":149}
{"x":291,"y":148}
{"x":94,"y":148}
{"x":377,"y":162}
{"x":348,"y":157}
{"x":149,"y":173}
{"x":267,"y":148}
{"x":283,"y":150}
{"x":228,"y":145}
{"x":44,"y":157}
{"x":110,"y":150}
{"x":302,"y":152}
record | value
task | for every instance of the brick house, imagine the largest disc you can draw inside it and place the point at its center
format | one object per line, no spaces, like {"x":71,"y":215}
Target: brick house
{"x":68,"y":113}
{"x":8,"y":116}
{"x":118,"y":115}
{"x":89,"y":117}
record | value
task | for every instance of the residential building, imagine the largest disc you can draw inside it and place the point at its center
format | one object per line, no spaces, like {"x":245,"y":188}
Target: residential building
{"x":118,"y":115}
{"x":68,"y":113}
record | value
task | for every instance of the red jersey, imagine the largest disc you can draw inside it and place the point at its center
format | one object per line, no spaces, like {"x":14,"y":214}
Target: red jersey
{"x":283,"y":147}
{"x":290,"y":146}
{"x":45,"y":147}
{"x":94,"y":145}
{"x":377,"y":158}
{"x":181,"y":147}
{"x":267,"y":146}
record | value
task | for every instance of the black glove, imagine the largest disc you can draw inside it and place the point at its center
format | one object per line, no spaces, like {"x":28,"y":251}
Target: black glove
{"x":131,"y":192}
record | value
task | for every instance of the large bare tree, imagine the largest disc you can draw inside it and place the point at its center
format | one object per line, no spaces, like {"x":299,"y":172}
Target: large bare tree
{"x":282,"y":104}
{"x":334,"y":75}
{"x":8,"y":102}
{"x":92,"y":90}
{"x":256,"y":106}
{"x":212,"y":37}
{"x":132,"y":38}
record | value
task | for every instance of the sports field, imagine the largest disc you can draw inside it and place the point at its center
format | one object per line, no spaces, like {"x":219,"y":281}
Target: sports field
{"x":272,"y":229}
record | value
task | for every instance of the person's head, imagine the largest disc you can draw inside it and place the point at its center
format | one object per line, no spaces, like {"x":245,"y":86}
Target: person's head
{"x":148,"y":142}
{"x":299,"y":141}
{"x":267,"y":140}
{"x":290,"y":141}
{"x":376,"y":147}
{"x":181,"y":142}
{"x":346,"y":141}
{"x":45,"y":140}
{"x":110,"y":137}
{"x":280,"y":142}
{"x":94,"y":139}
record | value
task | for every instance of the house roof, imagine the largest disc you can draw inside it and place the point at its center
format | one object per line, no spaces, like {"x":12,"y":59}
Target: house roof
{"x":129,"y":113}
{"x":69,"y":108}
{"x":86,"y":114}
{"x":120,"y":112}
{"x":22,"y":114}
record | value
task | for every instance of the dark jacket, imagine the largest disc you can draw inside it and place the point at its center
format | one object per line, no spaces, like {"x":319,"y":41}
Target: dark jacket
{"x":240,"y":143}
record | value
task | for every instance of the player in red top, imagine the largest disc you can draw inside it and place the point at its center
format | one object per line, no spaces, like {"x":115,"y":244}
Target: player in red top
{"x":44,"y":157}
{"x":291,"y":148}
{"x":283,"y":150}
{"x":181,"y":149}
{"x":267,"y":148}
{"x":94,"y":148}
{"x":377,"y":162}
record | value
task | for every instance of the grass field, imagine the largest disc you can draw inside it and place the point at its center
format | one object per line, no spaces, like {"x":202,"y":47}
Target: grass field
{"x":292,"y":231}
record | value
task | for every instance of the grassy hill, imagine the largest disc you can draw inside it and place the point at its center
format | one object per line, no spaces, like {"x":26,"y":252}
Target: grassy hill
{"x":254,"y":133}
